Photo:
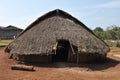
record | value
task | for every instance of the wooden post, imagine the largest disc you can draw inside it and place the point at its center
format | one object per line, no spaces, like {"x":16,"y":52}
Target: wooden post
{"x":78,"y":53}
{"x":77,"y":58}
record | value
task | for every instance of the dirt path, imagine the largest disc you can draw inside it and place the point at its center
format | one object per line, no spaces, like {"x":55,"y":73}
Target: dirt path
{"x":110,"y":70}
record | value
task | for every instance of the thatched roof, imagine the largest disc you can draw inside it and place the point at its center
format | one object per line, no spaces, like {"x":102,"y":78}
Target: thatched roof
{"x":42,"y":34}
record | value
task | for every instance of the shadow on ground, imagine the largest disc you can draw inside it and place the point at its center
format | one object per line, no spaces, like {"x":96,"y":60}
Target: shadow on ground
{"x":108,"y":63}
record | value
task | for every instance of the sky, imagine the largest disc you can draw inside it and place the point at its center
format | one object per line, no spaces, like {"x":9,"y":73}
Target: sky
{"x":93,"y":13}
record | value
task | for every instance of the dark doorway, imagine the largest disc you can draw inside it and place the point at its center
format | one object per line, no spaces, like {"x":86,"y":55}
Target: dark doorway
{"x":61,"y":51}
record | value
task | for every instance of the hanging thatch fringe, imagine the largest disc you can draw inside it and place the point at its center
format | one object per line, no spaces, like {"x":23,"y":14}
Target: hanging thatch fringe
{"x":55,"y":46}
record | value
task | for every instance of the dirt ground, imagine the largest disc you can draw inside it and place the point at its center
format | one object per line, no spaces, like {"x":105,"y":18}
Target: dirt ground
{"x":109,"y":70}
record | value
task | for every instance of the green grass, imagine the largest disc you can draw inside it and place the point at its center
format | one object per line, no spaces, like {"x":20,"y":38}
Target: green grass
{"x":4,"y":42}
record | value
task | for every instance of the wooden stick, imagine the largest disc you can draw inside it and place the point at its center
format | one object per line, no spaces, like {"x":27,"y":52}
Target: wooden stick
{"x":72,"y":48}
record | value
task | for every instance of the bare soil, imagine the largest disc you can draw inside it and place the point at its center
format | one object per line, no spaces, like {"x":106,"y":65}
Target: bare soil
{"x":108,"y":70}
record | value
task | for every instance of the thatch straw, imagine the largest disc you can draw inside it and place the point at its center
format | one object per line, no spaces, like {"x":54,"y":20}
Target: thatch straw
{"x":41,"y":36}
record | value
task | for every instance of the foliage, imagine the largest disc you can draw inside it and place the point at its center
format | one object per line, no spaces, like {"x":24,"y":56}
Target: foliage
{"x":111,"y":33}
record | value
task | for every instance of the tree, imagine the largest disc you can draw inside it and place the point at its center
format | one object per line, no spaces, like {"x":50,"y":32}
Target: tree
{"x":114,"y":32}
{"x":99,"y":32}
{"x":111,"y":33}
{"x":98,"y":29}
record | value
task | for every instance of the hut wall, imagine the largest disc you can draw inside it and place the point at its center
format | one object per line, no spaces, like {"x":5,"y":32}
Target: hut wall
{"x":36,"y":58}
{"x":84,"y":57}
{"x":71,"y":56}
{"x":9,"y":34}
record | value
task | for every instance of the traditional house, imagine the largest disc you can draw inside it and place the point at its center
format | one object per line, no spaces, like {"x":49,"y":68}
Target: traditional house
{"x":9,"y":32}
{"x":57,"y":36}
